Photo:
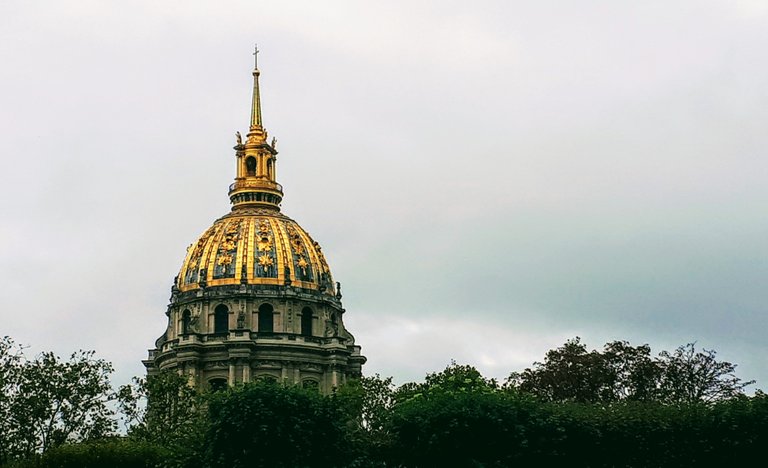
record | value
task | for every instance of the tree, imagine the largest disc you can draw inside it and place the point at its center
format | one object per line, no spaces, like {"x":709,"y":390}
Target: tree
{"x":114,"y":452}
{"x":268,"y":424}
{"x":569,"y":373}
{"x":622,"y":372}
{"x":633,"y":373}
{"x":455,"y":378}
{"x":10,"y":373}
{"x":690,"y":376}
{"x":367,"y":404}
{"x":47,"y":401}
{"x":160,"y":408}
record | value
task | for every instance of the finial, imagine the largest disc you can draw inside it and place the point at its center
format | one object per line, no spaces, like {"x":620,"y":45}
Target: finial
{"x":256,"y":105}
{"x":256,"y":56}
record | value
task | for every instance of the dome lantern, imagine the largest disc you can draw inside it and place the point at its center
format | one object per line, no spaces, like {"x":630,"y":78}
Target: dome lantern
{"x":256,"y":181}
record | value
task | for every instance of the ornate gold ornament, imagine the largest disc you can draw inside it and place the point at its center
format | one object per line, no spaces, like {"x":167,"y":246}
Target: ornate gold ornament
{"x":302,"y":263}
{"x":224,"y":260}
{"x":233,"y":230}
{"x":323,"y":263}
{"x":228,"y":244}
{"x":295,"y":239}
{"x":266,"y":261}
{"x":264,"y":244}
{"x":263,"y":227}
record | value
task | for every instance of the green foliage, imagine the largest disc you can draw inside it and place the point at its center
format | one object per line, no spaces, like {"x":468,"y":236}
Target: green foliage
{"x":366,"y":404}
{"x":113,"y":453}
{"x":465,"y":429}
{"x":568,"y":373}
{"x":689,"y":376}
{"x":46,"y":402}
{"x":508,"y":429}
{"x":455,"y":378}
{"x":618,"y":407}
{"x":11,"y":363}
{"x":164,"y":410}
{"x":271,"y":425}
{"x":170,"y":406}
{"x":622,"y":372}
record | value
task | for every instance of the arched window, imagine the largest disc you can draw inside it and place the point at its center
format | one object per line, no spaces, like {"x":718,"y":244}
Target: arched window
{"x":217,"y":385}
{"x":310,"y":383}
{"x":265,"y":318}
{"x":221,"y":319}
{"x":186,"y":318}
{"x":250,"y":166}
{"x":267,"y":378}
{"x":306,"y":321}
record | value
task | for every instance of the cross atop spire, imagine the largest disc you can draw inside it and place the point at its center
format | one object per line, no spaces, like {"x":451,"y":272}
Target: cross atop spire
{"x":256,"y":56}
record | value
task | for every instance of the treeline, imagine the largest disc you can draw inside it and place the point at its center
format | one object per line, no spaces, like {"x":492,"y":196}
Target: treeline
{"x":615,"y":407}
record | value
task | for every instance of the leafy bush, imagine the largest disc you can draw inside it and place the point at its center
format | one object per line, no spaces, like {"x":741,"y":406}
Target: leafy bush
{"x":267,"y":424}
{"x":112,"y":453}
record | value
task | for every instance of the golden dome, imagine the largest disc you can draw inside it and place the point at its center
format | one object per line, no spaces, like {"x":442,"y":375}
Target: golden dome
{"x":255,"y":246}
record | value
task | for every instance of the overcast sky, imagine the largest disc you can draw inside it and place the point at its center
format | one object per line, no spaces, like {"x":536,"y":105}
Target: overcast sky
{"x":487,"y":178}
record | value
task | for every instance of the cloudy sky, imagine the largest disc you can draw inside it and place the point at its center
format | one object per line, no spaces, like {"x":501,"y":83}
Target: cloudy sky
{"x":487,"y":179}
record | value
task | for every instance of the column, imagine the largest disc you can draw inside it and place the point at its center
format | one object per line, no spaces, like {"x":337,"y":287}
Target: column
{"x":246,"y":371}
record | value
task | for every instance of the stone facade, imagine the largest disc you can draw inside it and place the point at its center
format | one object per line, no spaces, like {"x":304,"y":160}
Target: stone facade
{"x":322,"y":355}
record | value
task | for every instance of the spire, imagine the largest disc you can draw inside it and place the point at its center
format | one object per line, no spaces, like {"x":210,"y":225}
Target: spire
{"x":256,"y":104}
{"x":256,"y":184}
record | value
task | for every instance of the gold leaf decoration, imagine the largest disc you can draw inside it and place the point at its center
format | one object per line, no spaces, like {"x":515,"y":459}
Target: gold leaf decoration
{"x":302,"y":263}
{"x":228,"y":244}
{"x":224,"y":260}
{"x":266,"y":261}
{"x":264,"y":244}
{"x":263,"y":227}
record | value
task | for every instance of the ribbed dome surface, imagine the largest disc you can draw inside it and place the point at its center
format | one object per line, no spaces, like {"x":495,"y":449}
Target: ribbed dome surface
{"x":255,"y":246}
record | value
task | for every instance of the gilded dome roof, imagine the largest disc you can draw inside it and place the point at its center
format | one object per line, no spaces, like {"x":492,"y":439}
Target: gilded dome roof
{"x":255,"y":243}
{"x":255,"y":246}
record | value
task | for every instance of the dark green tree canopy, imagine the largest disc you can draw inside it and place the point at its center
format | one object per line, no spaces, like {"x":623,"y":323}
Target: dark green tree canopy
{"x":622,"y":372}
{"x":615,"y":407}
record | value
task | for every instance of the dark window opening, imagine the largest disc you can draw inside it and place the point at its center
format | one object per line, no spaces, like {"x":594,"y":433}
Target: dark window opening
{"x":221,"y":319}
{"x":266,"y":323}
{"x":217,"y":385}
{"x":271,"y":379}
{"x":186,"y":319}
{"x":310,"y":384}
{"x":306,"y":321}
{"x":250,"y":166}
